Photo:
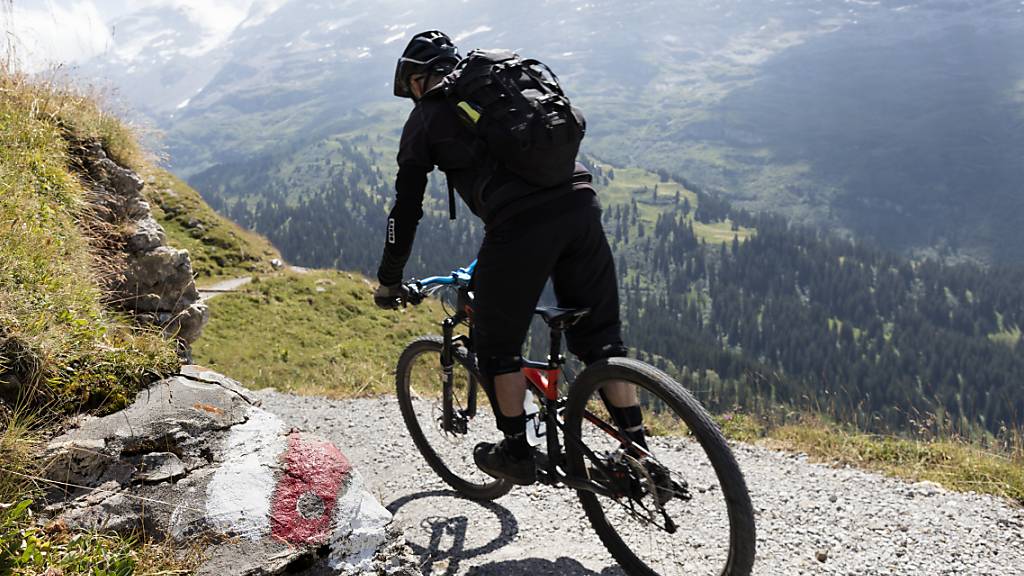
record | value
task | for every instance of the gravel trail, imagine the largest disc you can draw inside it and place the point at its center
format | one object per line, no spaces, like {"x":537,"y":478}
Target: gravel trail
{"x":811,"y":519}
{"x":230,"y":285}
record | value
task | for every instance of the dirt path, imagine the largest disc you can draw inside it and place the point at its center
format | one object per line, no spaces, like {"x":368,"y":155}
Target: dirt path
{"x":811,"y":519}
{"x":230,"y":285}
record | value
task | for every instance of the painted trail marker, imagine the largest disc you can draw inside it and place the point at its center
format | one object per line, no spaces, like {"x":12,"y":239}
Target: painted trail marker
{"x":195,"y":456}
{"x":307,"y":493}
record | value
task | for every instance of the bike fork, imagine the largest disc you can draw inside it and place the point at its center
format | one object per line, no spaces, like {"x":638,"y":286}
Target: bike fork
{"x":447,"y":365}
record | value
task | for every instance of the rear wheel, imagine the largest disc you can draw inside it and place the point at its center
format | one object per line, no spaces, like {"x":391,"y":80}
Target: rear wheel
{"x":419,"y":385}
{"x":683,"y":509}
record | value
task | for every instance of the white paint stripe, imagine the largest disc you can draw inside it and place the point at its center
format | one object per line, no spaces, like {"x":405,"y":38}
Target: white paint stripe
{"x":238,"y":496}
{"x":198,"y":385}
{"x":360,"y":528}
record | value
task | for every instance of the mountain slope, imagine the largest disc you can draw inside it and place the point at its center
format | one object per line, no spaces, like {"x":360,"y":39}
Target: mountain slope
{"x":899,"y":123}
{"x":59,"y":343}
{"x":218,"y":246}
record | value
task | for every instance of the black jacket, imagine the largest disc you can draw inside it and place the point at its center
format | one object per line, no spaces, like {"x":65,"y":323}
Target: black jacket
{"x":434,"y":136}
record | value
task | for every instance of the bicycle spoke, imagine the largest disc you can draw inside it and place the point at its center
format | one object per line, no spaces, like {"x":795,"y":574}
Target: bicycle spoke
{"x":448,"y":451}
{"x":642,"y":525}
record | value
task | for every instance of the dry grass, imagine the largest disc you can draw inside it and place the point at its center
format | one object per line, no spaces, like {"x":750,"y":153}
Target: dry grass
{"x":21,"y":439}
{"x":58,"y":344}
{"x":954,"y":464}
{"x":61,"y":350}
{"x":949,"y":461}
{"x":75,"y":112}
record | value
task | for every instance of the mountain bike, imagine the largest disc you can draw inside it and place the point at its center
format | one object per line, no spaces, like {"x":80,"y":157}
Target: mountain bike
{"x":680,"y":506}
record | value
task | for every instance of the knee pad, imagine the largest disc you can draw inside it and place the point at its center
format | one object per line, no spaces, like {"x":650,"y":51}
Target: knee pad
{"x":497,"y":365}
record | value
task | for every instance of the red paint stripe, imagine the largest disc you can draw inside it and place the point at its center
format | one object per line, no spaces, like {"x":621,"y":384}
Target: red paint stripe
{"x":314,"y":467}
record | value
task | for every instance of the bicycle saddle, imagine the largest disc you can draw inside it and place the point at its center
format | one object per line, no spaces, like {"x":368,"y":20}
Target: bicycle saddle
{"x":561,"y":318}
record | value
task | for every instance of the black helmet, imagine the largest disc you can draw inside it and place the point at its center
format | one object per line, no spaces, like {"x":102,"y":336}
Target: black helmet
{"x":430,"y":52}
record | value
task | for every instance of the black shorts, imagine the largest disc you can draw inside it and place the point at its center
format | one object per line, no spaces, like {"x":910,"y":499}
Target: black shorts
{"x":563,"y":240}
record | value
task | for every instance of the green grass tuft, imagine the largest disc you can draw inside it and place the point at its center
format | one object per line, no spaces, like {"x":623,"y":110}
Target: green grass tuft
{"x":313,"y":333}
{"x":57,"y":342}
{"x":27,"y":549}
{"x":219,"y":248}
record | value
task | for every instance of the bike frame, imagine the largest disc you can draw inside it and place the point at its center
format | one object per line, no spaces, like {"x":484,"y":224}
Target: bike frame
{"x":543,"y":377}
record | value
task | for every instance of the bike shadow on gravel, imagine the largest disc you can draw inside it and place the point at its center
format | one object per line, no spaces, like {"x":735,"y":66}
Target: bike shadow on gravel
{"x":539,"y":567}
{"x":452,"y":529}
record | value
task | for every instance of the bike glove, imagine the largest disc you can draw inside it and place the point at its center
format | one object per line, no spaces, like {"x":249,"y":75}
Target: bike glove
{"x":388,"y":297}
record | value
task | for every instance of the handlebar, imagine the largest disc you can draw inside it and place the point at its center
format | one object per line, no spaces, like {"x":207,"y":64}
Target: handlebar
{"x":415,"y":291}
{"x":412,"y":293}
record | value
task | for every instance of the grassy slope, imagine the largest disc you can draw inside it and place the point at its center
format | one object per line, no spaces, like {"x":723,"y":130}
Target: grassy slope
{"x":57,"y":342}
{"x":61,"y":351}
{"x":639,"y":184}
{"x":314,"y":333}
{"x":955,"y":464}
{"x":218,"y":246}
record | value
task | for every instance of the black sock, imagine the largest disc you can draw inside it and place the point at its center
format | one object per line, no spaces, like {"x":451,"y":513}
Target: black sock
{"x":517,"y":446}
{"x":633,"y":423}
{"x":631,"y":420}
{"x":514,"y":428}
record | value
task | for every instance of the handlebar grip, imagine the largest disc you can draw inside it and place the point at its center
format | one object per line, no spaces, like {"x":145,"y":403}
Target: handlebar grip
{"x":412,"y":293}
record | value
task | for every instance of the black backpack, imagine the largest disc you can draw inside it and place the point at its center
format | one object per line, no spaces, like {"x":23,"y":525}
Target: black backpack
{"x":520,"y":115}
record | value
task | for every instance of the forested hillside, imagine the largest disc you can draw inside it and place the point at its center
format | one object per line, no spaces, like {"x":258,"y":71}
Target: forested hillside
{"x":324,"y":205}
{"x":754,"y":310}
{"x":797,"y":315}
{"x":902,"y":122}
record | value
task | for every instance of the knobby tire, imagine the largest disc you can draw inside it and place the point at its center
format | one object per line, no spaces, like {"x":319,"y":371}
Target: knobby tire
{"x":741,"y":535}
{"x":433,"y":345}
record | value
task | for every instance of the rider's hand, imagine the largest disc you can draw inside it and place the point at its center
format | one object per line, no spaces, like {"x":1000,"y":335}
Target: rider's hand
{"x":388,"y":297}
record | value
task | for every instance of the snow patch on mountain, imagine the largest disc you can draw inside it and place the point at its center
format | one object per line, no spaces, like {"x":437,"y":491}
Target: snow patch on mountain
{"x":468,"y":33}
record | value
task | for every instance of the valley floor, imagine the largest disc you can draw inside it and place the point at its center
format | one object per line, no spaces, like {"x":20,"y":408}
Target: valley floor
{"x":811,"y":518}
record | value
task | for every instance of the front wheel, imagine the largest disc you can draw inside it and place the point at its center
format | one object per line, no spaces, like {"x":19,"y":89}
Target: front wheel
{"x":419,"y":381}
{"x":682,"y":508}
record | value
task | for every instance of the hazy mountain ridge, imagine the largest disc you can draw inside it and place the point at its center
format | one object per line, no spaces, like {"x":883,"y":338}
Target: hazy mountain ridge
{"x":779,"y":313}
{"x":899,"y":122}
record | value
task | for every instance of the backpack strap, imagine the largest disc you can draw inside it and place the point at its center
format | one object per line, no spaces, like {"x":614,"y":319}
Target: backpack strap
{"x":451,"y":198}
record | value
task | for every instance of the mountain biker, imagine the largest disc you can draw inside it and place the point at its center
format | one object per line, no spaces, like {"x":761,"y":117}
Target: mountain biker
{"x":530,"y":234}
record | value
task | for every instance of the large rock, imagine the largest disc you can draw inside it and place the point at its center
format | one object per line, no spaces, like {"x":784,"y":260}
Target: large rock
{"x":115,"y":189}
{"x":155,"y":281}
{"x":145,"y":235}
{"x":160,"y":280}
{"x":195,"y":459}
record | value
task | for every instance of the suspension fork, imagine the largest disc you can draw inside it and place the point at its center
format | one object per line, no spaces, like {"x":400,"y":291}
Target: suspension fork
{"x":447,"y":365}
{"x":448,"y":373}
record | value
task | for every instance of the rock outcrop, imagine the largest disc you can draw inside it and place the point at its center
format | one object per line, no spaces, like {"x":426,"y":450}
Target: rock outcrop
{"x":151,"y":280}
{"x":195,"y":459}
